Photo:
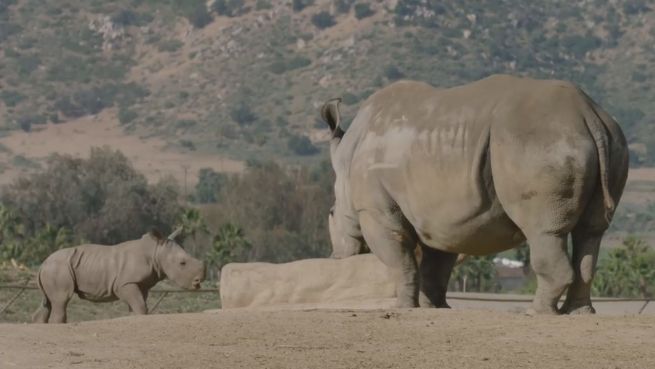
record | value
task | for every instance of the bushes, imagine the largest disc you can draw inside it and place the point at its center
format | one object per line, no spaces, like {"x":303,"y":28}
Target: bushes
{"x":127,"y":17}
{"x":281,"y":66}
{"x":11,"y":98}
{"x":393,"y":73}
{"x":169,"y":45}
{"x":25,"y":122}
{"x":323,"y":20}
{"x":126,"y":116}
{"x":299,"y":5}
{"x":301,"y":145}
{"x":343,"y":6}
{"x":229,"y":8}
{"x":243,"y":114}
{"x":626,"y":271}
{"x":208,"y":186}
{"x":94,"y":100}
{"x":101,"y":199}
{"x":287,"y":221}
{"x":363,"y":10}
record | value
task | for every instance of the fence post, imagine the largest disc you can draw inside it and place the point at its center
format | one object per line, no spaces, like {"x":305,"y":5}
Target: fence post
{"x":11,"y":301}
{"x":644,"y":306}
{"x":158,"y":301}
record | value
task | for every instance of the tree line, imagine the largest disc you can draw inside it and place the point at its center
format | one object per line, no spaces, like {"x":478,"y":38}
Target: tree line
{"x":270,"y":212}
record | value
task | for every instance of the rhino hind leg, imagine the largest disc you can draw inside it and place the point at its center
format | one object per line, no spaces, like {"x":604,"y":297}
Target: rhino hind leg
{"x":586,"y":246}
{"x":58,"y":287}
{"x":42,"y":314}
{"x":394,"y":245}
{"x":435,"y":269}
{"x":550,"y":262}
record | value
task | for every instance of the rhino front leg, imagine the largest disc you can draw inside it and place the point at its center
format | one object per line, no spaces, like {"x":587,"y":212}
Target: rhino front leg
{"x":435,"y":270}
{"x":131,"y":294}
{"x":394,"y":246}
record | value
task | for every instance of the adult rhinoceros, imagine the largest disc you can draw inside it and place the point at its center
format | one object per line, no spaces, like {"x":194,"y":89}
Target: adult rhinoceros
{"x":123,"y":272}
{"x":477,"y":169}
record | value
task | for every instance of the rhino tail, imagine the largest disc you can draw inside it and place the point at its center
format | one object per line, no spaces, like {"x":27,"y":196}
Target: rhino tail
{"x":599,"y":134}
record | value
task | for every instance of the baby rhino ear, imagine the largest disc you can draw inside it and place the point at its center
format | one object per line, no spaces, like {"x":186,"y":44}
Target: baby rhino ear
{"x":156,"y":235}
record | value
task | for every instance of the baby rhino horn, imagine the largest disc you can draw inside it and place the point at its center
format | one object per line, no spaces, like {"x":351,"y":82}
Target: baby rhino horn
{"x":175,"y":234}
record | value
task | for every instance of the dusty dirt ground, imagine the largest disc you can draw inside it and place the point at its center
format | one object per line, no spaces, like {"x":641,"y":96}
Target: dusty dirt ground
{"x":381,"y":338}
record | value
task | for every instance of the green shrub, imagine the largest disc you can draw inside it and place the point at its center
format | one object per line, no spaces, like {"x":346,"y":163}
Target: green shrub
{"x":626,"y":271}
{"x":185,"y":123}
{"x":229,"y":8}
{"x":127,"y":17}
{"x":350,"y":99}
{"x":102,"y":199}
{"x":323,"y":20}
{"x":170,"y":45}
{"x":298,"y":62}
{"x":208,"y":186}
{"x":27,"y":64}
{"x":278,"y":67}
{"x":343,"y":6}
{"x":199,"y":16}
{"x":299,"y":5}
{"x":281,"y":66}
{"x":363,"y":10}
{"x":11,"y":98}
{"x":393,"y":73}
{"x":188,"y":144}
{"x":243,"y":114}
{"x":126,"y":116}
{"x":301,"y":145}
{"x":580,"y":45}
{"x":263,"y":5}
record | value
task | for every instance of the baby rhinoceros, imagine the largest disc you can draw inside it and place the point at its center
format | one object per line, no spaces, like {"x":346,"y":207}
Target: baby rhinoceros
{"x":123,"y":272}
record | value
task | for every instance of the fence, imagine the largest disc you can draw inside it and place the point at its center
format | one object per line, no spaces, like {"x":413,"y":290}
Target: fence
{"x":452,"y":296}
{"x":164,"y":292}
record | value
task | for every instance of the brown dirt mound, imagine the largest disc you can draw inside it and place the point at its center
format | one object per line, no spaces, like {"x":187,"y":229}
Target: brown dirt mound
{"x":417,"y":338}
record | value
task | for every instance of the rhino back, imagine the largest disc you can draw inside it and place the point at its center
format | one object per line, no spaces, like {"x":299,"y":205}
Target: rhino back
{"x":426,"y":151}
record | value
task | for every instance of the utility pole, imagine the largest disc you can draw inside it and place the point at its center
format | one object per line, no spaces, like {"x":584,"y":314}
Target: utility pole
{"x":186,"y":169}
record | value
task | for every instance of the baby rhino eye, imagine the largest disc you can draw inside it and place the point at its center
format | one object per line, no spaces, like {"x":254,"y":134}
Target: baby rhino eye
{"x":183,"y":262}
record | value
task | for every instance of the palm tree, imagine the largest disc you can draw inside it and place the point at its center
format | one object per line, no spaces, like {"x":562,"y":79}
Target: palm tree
{"x":230,"y":245}
{"x":193,"y":224}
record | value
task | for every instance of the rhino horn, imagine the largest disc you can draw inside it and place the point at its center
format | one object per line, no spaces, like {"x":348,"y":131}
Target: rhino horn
{"x":175,"y":234}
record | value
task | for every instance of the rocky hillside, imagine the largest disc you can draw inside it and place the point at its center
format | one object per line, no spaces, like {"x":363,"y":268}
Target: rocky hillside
{"x":244,"y":78}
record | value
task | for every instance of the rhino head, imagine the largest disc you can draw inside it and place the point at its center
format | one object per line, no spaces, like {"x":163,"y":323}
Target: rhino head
{"x":176,"y":264}
{"x":345,"y":233}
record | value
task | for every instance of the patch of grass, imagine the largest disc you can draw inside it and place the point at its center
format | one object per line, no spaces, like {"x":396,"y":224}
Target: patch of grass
{"x":23,"y":162}
{"x":80,"y":310}
{"x":169,"y":45}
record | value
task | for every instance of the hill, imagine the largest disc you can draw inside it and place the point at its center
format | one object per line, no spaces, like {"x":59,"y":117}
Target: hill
{"x":243,"y":78}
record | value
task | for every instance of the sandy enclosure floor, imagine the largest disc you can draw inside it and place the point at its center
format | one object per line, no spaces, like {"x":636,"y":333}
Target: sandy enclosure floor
{"x":381,"y":338}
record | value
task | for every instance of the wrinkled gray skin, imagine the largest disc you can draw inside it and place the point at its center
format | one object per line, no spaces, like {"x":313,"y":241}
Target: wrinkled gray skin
{"x":123,"y":272}
{"x":477,"y":169}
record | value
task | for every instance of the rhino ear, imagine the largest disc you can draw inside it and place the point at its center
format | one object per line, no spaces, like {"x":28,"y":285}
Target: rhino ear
{"x":331,"y":115}
{"x":156,"y":235}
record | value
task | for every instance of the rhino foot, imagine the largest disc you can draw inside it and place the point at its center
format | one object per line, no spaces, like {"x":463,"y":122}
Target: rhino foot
{"x":578,"y":310}
{"x":425,"y":302}
{"x":541,"y":311}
